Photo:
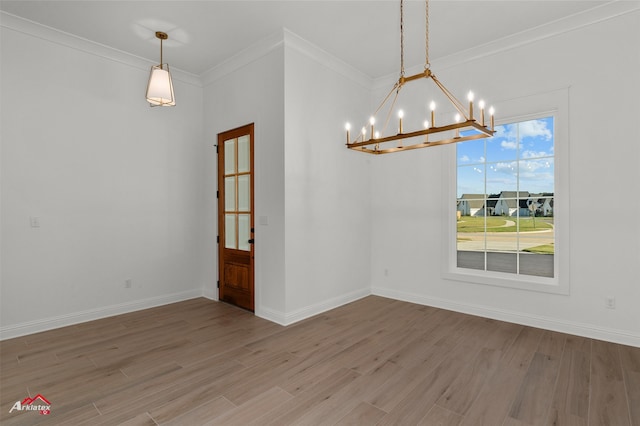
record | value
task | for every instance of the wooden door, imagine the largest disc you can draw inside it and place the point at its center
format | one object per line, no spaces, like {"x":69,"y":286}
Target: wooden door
{"x":235,"y":217}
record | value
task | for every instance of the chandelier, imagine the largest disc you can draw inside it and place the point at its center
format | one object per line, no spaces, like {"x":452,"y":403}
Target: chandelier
{"x":432,"y":133}
{"x":160,"y":85}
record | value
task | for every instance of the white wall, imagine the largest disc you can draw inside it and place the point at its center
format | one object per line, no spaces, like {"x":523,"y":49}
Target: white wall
{"x":604,"y":155}
{"x":313,"y":252}
{"x":327,"y":195}
{"x":115,"y":184}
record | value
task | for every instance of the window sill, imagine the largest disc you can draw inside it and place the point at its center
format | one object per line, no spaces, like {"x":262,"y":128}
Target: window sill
{"x":499,"y":279}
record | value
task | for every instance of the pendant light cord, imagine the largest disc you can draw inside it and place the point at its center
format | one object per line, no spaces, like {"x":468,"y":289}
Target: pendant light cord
{"x":427,"y":65}
{"x":401,"y":38}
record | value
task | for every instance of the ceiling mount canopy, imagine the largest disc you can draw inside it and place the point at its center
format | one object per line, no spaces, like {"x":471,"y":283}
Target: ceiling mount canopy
{"x":431,"y":133}
{"x":160,"y":85}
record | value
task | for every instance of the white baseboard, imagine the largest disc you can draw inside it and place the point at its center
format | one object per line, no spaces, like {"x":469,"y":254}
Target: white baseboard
{"x":579,"y":329}
{"x":289,"y":318}
{"x":282,"y":318}
{"x":17,"y":330}
{"x":210,"y":293}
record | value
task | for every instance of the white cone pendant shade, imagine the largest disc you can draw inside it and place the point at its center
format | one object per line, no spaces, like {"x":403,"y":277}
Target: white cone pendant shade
{"x":160,"y":87}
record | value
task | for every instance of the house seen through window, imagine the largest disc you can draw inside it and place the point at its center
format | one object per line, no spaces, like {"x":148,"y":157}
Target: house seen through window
{"x":505,"y":200}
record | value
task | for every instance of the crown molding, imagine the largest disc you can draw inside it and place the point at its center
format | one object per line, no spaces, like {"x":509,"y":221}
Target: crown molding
{"x":289,"y":40}
{"x":555,"y":28}
{"x":326,"y":59}
{"x":243,"y":58}
{"x":52,"y":35}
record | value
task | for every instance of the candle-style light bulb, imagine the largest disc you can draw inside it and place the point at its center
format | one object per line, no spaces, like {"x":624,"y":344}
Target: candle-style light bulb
{"x":400,"y":116}
{"x":457,"y":118}
{"x":364,"y":133}
{"x":372,"y":121}
{"x":347,"y":127}
{"x":426,"y":126}
{"x":481,"y":104}
{"x":377,"y":135}
{"x":432,"y":107}
{"x":470,"y":98}
{"x":491,"y":112}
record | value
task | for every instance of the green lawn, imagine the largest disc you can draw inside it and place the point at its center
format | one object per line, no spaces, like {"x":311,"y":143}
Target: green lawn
{"x":497,"y":224}
{"x":543,"y":249}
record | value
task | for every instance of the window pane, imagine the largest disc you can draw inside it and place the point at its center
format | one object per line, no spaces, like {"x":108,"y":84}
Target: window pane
{"x":244,"y":229}
{"x":471,"y":259}
{"x":229,"y":156}
{"x":502,"y":262}
{"x":503,"y":146}
{"x":471,"y":152}
{"x":230,"y":193}
{"x":244,"y":193}
{"x":536,"y":138}
{"x":230,"y":240}
{"x":243,"y":154}
{"x":502,"y":176}
{"x":536,"y":176}
{"x":470,"y":180}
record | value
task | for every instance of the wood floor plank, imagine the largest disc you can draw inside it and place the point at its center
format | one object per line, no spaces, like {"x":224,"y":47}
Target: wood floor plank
{"x":629,"y":358}
{"x":362,"y":414}
{"x":608,"y":402}
{"x":632,"y":385}
{"x":373,"y":361}
{"x":494,"y":400}
{"x":259,"y":378}
{"x":570,"y":403}
{"x":465,"y":388}
{"x":253,"y":409}
{"x":533,"y":400}
{"x":439,"y":416}
{"x":292,"y":410}
{"x":415,"y":405}
{"x":339,"y":404}
{"x":203,"y":413}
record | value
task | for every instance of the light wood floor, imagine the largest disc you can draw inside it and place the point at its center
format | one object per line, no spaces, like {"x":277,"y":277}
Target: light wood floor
{"x":375,"y":361}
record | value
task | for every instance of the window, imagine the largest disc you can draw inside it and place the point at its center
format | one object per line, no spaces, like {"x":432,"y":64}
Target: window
{"x":508,"y":202}
{"x":505,"y":199}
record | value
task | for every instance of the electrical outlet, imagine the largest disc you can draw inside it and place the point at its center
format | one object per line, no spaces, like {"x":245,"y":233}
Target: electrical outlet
{"x":128,"y":283}
{"x":610,"y":302}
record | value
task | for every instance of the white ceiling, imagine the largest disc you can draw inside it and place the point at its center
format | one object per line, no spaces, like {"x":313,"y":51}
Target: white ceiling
{"x":363,"y":33}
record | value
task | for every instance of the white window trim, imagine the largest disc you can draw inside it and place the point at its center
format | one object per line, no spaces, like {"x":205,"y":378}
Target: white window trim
{"x":554,"y":103}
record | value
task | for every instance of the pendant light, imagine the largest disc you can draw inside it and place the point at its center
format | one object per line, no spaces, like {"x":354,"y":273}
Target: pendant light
{"x":160,"y":86}
{"x":431,"y":133}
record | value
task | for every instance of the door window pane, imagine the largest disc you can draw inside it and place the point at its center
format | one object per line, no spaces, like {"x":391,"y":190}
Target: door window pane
{"x":244,"y":163}
{"x":230,"y":194}
{"x":230,"y":231}
{"x":244,"y":193}
{"x":244,"y":231}
{"x":229,"y":156}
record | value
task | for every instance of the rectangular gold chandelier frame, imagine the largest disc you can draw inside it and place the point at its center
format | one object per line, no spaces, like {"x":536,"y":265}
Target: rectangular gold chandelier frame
{"x":373,"y":144}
